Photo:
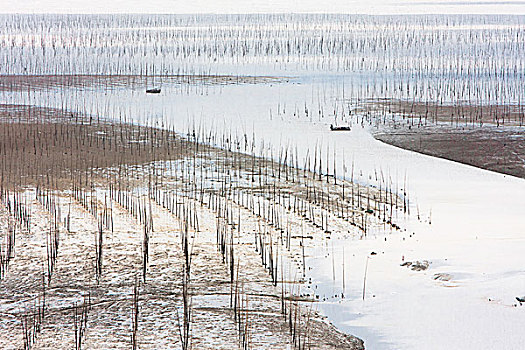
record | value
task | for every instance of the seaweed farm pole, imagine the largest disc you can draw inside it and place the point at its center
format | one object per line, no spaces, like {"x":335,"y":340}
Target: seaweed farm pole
{"x":145,"y":252}
{"x":364,"y":278}
{"x":135,"y":316}
{"x":344,"y":286}
{"x":98,"y":250}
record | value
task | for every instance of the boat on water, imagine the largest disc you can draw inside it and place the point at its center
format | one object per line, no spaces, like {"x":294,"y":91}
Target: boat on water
{"x":339,"y":128}
{"x":153,"y":91}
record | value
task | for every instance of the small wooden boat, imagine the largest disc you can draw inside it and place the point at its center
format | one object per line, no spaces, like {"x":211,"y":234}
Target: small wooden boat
{"x":153,"y":91}
{"x":339,"y":128}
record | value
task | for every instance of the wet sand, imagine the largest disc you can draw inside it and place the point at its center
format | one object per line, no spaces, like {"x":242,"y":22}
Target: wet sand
{"x":41,"y":82}
{"x":488,"y":137}
{"x":61,"y":167}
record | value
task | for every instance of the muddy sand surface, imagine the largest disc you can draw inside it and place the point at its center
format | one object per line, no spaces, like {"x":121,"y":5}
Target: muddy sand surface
{"x":493,"y":149}
{"x":488,"y":137}
{"x":40,"y":82}
{"x":94,"y":218}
